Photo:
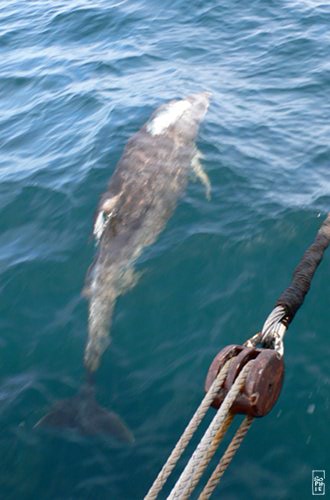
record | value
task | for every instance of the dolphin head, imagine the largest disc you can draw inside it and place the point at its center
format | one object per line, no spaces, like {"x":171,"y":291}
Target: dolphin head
{"x":180,"y":117}
{"x":200,"y":103}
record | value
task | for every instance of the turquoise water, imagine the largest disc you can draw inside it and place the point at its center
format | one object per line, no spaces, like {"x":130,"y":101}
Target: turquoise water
{"x":76,"y":80}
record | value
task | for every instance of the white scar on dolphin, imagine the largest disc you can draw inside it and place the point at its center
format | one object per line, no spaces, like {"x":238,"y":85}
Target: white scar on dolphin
{"x":150,"y":177}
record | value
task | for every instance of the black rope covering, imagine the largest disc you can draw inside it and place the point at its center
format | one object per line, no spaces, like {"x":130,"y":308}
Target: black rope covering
{"x":293,"y":297}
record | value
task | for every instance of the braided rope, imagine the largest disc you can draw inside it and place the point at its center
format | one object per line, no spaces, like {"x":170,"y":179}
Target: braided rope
{"x":226,"y":458}
{"x":188,"y":434}
{"x":208,"y":444}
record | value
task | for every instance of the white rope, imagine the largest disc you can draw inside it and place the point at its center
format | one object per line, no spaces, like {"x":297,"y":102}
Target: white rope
{"x":272,"y":333}
{"x":208,"y":444}
{"x":188,"y":433}
{"x":226,"y":458}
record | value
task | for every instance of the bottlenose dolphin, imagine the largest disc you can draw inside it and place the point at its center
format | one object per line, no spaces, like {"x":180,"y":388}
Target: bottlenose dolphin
{"x":142,"y":194}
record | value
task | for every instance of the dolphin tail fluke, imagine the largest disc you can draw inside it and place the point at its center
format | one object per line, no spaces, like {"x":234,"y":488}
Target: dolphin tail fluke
{"x":84,"y":415}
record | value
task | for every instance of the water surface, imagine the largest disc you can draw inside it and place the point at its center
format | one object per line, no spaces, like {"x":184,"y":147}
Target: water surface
{"x":76,"y":80}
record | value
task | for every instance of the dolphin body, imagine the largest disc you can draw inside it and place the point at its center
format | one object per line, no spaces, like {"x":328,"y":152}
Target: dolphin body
{"x":142,"y":194}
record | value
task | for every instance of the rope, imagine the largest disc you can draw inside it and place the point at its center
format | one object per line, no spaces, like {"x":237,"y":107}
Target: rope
{"x":209,"y":443}
{"x":188,"y":434}
{"x":226,"y":458}
{"x":274,"y":329}
{"x":272,"y":333}
{"x":293,"y":297}
{"x":271,"y":336}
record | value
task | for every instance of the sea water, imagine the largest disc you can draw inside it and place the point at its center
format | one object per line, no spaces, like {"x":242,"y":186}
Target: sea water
{"x":77,"y":79}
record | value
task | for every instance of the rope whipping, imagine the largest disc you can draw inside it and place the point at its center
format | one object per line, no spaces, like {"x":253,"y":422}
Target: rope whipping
{"x":293,"y":297}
